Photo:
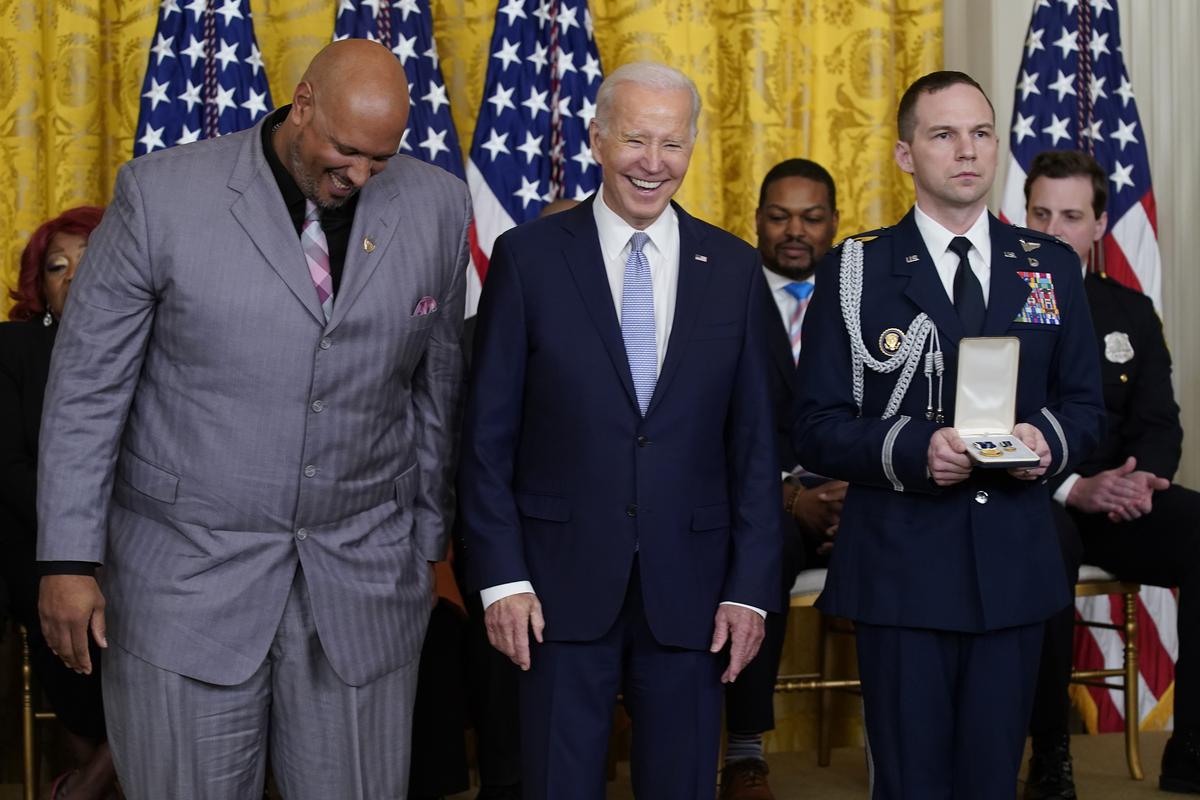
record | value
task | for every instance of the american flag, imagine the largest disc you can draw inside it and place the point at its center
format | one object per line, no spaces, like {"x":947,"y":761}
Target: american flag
{"x":1073,"y":92}
{"x":531,"y":139}
{"x":205,"y":76}
{"x":406,"y":28}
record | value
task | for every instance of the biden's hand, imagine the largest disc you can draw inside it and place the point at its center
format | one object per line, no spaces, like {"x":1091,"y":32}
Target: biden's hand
{"x":509,"y":621}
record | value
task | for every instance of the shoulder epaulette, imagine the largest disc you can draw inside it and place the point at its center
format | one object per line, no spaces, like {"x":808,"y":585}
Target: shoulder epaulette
{"x":870,"y":236}
{"x":1027,"y":234}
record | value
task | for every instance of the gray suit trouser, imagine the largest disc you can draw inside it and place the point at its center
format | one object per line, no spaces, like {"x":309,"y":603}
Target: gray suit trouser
{"x":177,"y":738}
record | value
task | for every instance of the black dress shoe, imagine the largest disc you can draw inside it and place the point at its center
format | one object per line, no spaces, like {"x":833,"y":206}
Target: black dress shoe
{"x":493,"y":792}
{"x":1181,"y":763}
{"x":1050,"y":773}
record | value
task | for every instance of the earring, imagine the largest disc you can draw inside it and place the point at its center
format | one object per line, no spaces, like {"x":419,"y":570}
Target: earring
{"x":48,"y":320}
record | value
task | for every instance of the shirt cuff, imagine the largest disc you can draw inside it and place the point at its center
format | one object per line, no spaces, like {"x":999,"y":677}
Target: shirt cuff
{"x":1064,"y":489}
{"x":756,"y":610}
{"x":87,"y":568}
{"x":493,"y":593}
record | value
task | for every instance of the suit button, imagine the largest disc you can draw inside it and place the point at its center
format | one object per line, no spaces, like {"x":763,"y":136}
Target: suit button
{"x":642,"y":441}
{"x":981,"y":497}
{"x":326,"y":343}
{"x":318,"y":406}
{"x":1124,"y":377}
{"x":310,"y":471}
{"x":302,"y":534}
{"x":631,"y":510}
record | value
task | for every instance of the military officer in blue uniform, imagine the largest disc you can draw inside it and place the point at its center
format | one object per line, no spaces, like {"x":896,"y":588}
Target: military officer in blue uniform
{"x":948,"y":571}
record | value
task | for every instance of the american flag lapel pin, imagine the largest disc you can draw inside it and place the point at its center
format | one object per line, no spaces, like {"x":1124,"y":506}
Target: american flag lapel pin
{"x":701,"y":258}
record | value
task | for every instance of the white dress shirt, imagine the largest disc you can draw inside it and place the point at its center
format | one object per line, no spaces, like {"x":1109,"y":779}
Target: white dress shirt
{"x":662,"y":251}
{"x":785,"y":301}
{"x":937,"y":242}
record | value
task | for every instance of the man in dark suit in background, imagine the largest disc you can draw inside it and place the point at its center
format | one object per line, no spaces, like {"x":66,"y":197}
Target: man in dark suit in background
{"x":796,"y":222}
{"x":618,"y":460}
{"x":1132,"y":520}
{"x":948,"y":571}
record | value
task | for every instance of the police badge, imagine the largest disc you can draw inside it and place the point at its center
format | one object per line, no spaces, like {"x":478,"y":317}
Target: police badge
{"x":1117,"y":347}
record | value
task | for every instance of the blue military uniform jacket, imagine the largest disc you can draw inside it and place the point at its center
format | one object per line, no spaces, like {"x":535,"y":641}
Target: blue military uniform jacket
{"x":983,"y":554}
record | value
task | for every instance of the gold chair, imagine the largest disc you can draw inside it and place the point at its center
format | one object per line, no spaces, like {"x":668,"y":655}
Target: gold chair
{"x":1094,"y":581}
{"x":805,"y":591}
{"x":30,"y":715}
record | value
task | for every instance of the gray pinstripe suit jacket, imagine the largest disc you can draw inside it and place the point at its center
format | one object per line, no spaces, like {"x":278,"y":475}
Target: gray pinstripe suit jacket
{"x":205,"y":429}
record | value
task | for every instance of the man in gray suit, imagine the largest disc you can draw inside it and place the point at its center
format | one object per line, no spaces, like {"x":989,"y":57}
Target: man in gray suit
{"x":250,"y":423}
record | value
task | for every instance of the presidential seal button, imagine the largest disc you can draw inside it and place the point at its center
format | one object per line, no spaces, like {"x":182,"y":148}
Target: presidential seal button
{"x":1117,"y":347}
{"x":890,"y":341}
{"x":368,"y":244}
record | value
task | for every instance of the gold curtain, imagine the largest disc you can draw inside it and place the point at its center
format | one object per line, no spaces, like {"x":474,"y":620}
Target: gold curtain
{"x":779,"y":78}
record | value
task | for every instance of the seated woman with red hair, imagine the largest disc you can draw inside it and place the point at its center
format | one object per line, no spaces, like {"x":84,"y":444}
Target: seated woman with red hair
{"x":48,"y":265}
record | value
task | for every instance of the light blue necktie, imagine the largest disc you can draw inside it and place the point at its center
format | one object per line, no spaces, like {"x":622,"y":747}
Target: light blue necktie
{"x":637,"y":321}
{"x":802,"y":291}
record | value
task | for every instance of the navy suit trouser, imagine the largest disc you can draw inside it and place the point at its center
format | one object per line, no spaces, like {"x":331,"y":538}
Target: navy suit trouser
{"x":946,"y":712}
{"x":567,"y":697}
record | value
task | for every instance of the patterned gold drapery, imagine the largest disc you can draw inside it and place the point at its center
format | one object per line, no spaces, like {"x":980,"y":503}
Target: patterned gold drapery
{"x":779,"y":78}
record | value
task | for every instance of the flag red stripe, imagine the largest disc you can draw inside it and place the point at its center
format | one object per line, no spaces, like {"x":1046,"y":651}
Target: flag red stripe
{"x":1154,"y":662}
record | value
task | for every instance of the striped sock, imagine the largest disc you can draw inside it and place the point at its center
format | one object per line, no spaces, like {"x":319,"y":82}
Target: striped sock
{"x":742,"y":746}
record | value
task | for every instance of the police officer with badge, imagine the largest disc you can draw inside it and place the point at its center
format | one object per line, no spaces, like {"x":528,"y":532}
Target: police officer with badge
{"x":1120,"y":501}
{"x":948,"y":570}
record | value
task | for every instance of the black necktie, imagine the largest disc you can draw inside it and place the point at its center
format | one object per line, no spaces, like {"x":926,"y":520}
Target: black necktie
{"x":968,"y":293}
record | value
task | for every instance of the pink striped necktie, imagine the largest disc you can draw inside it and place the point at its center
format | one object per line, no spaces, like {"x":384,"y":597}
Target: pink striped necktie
{"x":802,"y":291}
{"x":316,"y":252}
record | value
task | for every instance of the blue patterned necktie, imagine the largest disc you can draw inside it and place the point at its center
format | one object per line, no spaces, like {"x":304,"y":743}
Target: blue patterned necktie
{"x":637,"y":321}
{"x":802,"y":291}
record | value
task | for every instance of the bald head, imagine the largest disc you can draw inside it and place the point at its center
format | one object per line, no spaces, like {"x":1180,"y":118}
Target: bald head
{"x":348,"y":115}
{"x":362,"y":77}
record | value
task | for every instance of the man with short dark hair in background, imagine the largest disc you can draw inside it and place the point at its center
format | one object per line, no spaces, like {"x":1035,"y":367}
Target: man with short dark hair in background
{"x":948,"y":570}
{"x":1120,"y":506}
{"x":796,"y":221}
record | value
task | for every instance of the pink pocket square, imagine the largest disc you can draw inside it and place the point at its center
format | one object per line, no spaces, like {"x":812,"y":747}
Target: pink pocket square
{"x":426,"y":305}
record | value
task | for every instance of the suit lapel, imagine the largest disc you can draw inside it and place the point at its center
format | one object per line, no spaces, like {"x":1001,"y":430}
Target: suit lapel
{"x":370,"y":236}
{"x":260,"y":210}
{"x":924,"y":286}
{"x":585,"y":262}
{"x":694,"y":276}
{"x":1007,"y":291}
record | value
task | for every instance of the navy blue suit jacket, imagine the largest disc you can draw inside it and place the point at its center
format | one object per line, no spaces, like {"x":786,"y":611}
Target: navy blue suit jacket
{"x":983,"y":554}
{"x":562,"y":481}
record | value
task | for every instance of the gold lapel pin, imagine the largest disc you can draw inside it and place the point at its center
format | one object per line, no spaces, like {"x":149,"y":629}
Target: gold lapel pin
{"x":368,"y":244}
